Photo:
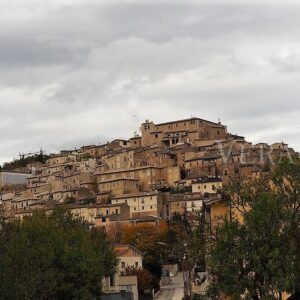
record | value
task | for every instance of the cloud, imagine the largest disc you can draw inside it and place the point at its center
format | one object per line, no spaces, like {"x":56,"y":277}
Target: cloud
{"x":79,"y":72}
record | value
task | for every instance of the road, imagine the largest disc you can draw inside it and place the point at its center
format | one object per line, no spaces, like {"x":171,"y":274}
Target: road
{"x":174,"y":291}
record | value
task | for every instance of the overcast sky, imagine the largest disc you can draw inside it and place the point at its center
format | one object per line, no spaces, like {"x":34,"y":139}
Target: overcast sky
{"x":82,"y":72}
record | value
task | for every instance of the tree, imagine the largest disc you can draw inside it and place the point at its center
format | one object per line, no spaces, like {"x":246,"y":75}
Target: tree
{"x":144,"y":277}
{"x":22,"y":162}
{"x":252,"y":258}
{"x":146,"y":238}
{"x":187,"y":239}
{"x":286,"y":181}
{"x":53,"y":257}
{"x":258,"y":256}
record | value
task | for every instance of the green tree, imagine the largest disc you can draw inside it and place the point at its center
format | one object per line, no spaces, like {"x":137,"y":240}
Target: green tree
{"x":260,"y":257}
{"x":53,"y":257}
{"x":286,"y":179}
{"x":22,"y":162}
{"x":252,"y":258}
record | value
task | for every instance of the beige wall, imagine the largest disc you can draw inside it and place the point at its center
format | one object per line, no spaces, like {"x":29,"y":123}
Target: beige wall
{"x":142,"y":205}
{"x":57,"y":160}
{"x":147,"y":176}
{"x":183,"y":206}
{"x":131,"y":261}
{"x":119,"y":186}
{"x":135,"y":142}
{"x":173,"y":174}
{"x":119,"y":161}
{"x":207,"y":187}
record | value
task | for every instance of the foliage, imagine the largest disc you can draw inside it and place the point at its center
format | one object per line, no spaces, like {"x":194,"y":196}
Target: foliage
{"x":180,"y":190}
{"x":146,"y":238}
{"x":70,"y":200}
{"x":24,"y":161}
{"x":88,"y":201}
{"x":143,"y":276}
{"x":53,"y":257}
{"x":86,"y":156}
{"x":166,"y":243}
{"x":115,"y":233}
{"x":258,"y":256}
{"x":187,"y":240}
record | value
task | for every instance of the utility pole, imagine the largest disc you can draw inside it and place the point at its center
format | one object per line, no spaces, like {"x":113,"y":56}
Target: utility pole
{"x":187,"y":277}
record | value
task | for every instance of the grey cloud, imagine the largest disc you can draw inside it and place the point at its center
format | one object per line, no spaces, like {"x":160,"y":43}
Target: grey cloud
{"x":289,"y":62}
{"x":31,"y":52}
{"x":87,"y":72}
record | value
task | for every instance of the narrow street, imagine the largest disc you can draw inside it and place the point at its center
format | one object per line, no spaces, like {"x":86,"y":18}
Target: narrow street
{"x":174,"y":291}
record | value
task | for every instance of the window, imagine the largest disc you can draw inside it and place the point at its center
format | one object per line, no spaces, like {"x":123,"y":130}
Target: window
{"x":112,"y":280}
{"x":204,"y":186}
{"x":103,"y":220}
{"x":136,"y":264}
{"x":123,"y":265}
{"x":143,"y":207}
{"x":156,"y":135}
{"x":151,"y":207}
{"x":117,"y":211}
{"x":213,"y":187}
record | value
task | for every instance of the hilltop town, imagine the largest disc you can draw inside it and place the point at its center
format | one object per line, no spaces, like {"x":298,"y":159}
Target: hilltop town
{"x":173,"y":167}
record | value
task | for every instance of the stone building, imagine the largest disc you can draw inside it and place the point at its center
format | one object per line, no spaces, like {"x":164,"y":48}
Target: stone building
{"x":181,"y":131}
{"x":143,"y":204}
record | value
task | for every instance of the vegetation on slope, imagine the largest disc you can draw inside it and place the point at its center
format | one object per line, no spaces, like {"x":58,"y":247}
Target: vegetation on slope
{"x":22,"y":162}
